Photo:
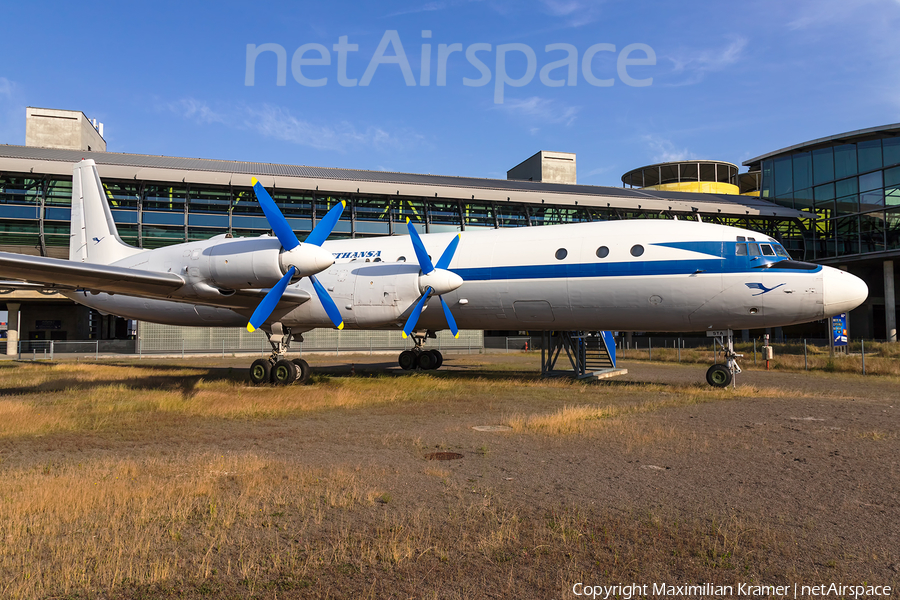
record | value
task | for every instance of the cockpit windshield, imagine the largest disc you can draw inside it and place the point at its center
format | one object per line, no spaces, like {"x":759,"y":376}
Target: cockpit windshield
{"x":748,"y":246}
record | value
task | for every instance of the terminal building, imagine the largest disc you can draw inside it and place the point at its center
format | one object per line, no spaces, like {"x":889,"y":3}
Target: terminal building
{"x":161,"y":200}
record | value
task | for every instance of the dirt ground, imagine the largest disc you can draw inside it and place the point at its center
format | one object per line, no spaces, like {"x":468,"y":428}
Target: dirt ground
{"x":790,"y":478}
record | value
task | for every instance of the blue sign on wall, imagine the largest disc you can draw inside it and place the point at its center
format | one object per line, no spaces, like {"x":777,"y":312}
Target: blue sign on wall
{"x":839,"y":329}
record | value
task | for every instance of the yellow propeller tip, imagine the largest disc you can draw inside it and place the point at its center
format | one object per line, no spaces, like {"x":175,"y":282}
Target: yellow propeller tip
{"x":457,"y":335}
{"x":403,"y":333}
{"x":254,"y":181}
{"x":250,"y":328}
{"x":344,"y":203}
{"x":341,"y":326}
{"x":407,"y":219}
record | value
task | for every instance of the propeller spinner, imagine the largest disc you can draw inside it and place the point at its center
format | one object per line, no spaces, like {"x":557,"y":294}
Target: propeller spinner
{"x":298,"y":259}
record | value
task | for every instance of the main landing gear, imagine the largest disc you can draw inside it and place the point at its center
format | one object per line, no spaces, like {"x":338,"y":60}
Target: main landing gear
{"x":722,"y":374}
{"x":418,"y":357}
{"x":277,"y":368}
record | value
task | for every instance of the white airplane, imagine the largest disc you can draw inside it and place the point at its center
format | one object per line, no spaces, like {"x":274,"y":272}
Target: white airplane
{"x":645,"y":275}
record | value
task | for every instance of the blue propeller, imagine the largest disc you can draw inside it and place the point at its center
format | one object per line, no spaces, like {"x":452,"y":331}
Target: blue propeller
{"x":304,"y":259}
{"x":435,"y":279}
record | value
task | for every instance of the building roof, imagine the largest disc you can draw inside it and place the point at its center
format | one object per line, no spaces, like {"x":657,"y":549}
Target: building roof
{"x":832,"y":140}
{"x":24,"y":159}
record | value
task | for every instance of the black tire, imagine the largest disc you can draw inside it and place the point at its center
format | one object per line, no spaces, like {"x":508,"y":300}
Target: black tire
{"x":260,"y":371}
{"x":407,"y":360}
{"x":718,"y":376}
{"x":303,"y":370}
{"x":284,"y":372}
{"x":439,"y":357}
{"x":427,"y":361}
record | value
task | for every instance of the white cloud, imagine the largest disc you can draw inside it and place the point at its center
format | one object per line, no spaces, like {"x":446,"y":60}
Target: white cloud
{"x":697,"y":63}
{"x":575,"y":12}
{"x":280,"y":123}
{"x":542,"y":110}
{"x":277,"y":122}
{"x":665,"y":151}
{"x":824,"y":12}
{"x":6,"y":87}
{"x":196,"y":110}
{"x":433,"y":6}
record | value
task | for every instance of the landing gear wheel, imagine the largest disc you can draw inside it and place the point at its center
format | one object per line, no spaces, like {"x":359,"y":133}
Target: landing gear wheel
{"x":260,"y":371}
{"x":718,"y":376}
{"x":303,"y":370}
{"x":427,"y":361}
{"x":284,"y":372}
{"x":438,"y":357}
{"x":407,"y":360}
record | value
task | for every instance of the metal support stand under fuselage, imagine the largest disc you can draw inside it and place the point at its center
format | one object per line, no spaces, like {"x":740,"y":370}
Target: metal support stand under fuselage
{"x":591,"y":354}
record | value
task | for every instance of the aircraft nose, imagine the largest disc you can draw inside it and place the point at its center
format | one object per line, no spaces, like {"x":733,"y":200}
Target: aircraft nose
{"x":841,"y":291}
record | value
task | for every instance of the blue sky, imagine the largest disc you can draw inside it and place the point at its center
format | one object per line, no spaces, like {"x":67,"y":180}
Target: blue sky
{"x":729,"y":81}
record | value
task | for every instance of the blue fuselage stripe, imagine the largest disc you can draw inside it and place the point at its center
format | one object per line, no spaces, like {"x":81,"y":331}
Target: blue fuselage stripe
{"x":730,"y":265}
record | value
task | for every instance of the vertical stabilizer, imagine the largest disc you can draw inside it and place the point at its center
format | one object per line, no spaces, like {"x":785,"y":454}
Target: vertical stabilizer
{"x":93,"y":237}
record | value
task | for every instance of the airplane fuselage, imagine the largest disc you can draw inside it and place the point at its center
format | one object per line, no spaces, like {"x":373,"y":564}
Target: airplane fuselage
{"x":647,"y":275}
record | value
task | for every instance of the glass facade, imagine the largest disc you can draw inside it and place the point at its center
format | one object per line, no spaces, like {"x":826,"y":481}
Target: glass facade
{"x":851,"y":187}
{"x":35,"y":211}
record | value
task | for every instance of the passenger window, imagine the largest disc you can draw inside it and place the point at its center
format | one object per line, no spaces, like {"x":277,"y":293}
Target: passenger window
{"x":767,"y":250}
{"x":637,"y":250}
{"x":401,"y":259}
{"x":561,"y":254}
{"x":602,"y":252}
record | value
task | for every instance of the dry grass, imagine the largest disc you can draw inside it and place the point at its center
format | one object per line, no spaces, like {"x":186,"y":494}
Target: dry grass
{"x":881,"y":359}
{"x":241,"y":524}
{"x":592,"y":418}
{"x":145,"y":522}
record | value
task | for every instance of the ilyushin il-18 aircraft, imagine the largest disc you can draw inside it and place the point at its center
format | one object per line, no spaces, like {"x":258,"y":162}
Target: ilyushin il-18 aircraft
{"x":647,"y":275}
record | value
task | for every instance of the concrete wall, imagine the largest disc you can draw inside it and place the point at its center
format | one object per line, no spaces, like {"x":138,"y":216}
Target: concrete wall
{"x":65,"y":129}
{"x":548,"y":167}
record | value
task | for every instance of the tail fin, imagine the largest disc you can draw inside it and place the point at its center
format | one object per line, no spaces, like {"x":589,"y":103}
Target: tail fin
{"x":93,"y":238}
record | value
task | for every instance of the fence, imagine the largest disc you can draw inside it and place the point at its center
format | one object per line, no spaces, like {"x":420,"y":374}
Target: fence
{"x":164,"y":339}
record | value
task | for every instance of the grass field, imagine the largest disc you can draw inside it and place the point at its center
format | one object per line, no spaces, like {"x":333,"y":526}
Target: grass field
{"x":174,"y":480}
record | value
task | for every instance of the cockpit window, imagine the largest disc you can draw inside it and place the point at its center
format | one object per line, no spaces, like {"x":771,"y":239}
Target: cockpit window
{"x":754,"y":249}
{"x":780,"y":251}
{"x":767,"y":250}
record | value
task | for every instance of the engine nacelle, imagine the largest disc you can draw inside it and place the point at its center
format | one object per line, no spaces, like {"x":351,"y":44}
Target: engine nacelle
{"x":243,"y":263}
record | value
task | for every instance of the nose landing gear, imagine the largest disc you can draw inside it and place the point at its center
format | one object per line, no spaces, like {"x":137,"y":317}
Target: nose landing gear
{"x":418,"y":357}
{"x":277,"y":368}
{"x":722,"y":374}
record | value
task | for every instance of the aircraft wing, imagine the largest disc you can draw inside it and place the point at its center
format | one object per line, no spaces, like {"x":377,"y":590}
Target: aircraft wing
{"x":38,"y":272}
{"x":66,"y":274}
